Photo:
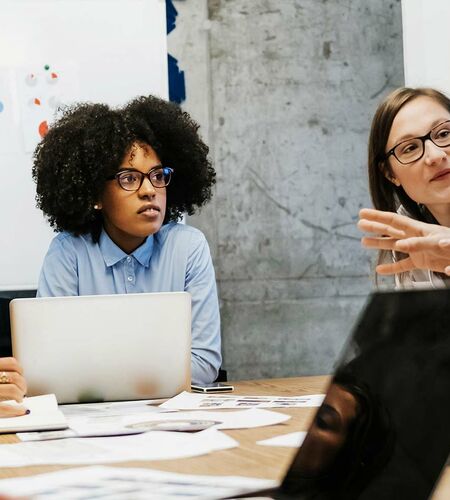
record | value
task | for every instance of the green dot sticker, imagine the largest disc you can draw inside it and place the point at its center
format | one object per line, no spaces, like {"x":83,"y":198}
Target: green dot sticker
{"x":47,"y":67}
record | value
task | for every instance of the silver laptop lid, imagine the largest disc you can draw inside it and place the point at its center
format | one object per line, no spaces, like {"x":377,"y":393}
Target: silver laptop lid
{"x":104,"y":347}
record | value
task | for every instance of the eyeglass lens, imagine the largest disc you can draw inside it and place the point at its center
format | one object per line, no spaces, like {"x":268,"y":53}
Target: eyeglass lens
{"x":412,"y":149}
{"x":132,"y":180}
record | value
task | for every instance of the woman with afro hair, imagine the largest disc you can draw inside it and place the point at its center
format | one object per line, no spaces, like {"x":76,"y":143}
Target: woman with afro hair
{"x":114,"y":183}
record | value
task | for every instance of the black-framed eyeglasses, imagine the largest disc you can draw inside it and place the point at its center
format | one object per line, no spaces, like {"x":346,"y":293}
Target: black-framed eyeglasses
{"x":131,"y":179}
{"x":411,"y":150}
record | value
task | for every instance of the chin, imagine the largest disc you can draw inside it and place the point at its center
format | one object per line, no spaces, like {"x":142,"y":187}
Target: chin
{"x":152,"y":229}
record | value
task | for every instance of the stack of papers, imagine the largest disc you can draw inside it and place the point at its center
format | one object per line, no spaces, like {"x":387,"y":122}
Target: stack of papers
{"x":125,"y":419}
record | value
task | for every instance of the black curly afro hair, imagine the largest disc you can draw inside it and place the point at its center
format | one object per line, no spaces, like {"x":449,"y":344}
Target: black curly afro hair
{"x":88,"y":143}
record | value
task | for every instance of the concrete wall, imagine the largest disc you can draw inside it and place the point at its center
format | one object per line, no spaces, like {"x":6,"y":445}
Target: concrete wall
{"x":285,"y":91}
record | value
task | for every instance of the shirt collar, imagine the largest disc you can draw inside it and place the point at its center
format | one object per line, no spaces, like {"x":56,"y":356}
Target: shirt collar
{"x":112,"y":254}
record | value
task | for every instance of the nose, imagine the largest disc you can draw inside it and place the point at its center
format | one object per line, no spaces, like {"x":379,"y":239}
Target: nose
{"x":433,"y":154}
{"x":147,"y":189}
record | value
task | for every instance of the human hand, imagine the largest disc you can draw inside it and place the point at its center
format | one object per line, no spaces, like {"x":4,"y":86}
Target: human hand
{"x":12,"y":386}
{"x":428,"y":245}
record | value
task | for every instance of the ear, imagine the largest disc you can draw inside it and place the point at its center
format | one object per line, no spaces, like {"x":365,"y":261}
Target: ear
{"x":392,"y":179}
{"x":388,"y":174}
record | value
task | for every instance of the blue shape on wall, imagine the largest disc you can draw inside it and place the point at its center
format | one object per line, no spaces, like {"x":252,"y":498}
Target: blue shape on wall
{"x":171,"y":14}
{"x":177,"y":89}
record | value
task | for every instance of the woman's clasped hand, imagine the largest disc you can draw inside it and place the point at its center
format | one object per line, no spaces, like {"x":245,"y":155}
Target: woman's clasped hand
{"x":12,"y":387}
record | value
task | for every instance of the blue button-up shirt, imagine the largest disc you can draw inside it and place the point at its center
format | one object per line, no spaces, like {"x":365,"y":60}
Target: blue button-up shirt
{"x":175,"y":259}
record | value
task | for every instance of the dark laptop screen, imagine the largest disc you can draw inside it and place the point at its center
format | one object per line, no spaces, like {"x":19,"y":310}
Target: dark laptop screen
{"x":383,"y":430}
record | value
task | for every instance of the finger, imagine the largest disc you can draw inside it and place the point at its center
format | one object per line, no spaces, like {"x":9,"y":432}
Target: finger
{"x":15,"y":379}
{"x":380,"y":228}
{"x":7,"y":410}
{"x":379,"y":216}
{"x":378,"y":243}
{"x":21,"y":383}
{"x":376,"y":215}
{"x":10,"y":391}
{"x":10,"y":365}
{"x":396,"y":267}
{"x":416,"y":244}
{"x":395,"y":221}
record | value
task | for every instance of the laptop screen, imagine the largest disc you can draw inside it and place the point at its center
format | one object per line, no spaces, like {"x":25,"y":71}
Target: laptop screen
{"x":383,"y":428}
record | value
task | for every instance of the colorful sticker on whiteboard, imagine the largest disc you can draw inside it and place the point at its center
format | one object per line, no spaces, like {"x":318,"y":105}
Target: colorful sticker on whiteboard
{"x":41,"y":91}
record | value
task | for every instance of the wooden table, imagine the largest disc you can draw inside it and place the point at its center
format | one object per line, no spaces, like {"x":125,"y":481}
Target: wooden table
{"x":249,"y":459}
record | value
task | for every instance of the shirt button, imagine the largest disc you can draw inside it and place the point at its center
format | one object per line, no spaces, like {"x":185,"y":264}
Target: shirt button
{"x":128,"y":259}
{"x":130,"y":278}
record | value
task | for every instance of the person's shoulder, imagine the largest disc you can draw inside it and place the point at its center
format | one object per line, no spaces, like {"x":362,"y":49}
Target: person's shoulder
{"x":65,"y":241}
{"x":177,"y":232}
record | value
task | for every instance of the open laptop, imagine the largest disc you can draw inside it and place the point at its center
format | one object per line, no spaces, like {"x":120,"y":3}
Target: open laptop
{"x":104,"y":347}
{"x":383,"y":430}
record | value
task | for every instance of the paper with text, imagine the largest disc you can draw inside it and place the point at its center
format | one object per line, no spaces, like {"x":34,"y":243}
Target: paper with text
{"x":188,"y":401}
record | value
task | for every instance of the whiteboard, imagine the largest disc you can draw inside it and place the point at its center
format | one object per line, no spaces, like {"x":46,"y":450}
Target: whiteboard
{"x":58,"y":52}
{"x":426,"y":43}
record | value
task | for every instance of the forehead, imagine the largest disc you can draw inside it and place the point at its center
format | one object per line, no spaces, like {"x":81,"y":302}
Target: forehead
{"x":416,"y":118}
{"x":140,"y":157}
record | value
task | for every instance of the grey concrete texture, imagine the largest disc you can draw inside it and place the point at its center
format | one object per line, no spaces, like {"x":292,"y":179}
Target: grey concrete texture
{"x":290,"y":90}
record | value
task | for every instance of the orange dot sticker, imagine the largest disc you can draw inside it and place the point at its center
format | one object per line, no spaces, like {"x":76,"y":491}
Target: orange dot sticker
{"x":37,"y":101}
{"x":43,"y":129}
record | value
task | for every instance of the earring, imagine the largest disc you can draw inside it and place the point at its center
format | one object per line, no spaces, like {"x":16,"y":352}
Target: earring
{"x":97,"y":206}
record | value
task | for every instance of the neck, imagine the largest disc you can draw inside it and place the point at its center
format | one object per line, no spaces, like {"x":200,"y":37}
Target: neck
{"x":124,"y":241}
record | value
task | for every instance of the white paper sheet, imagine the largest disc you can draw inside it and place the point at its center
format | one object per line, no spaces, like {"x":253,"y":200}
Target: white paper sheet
{"x":188,"y":401}
{"x":244,"y":419}
{"x":149,"y":446}
{"x":129,"y":483}
{"x":291,"y":440}
{"x":44,"y":414}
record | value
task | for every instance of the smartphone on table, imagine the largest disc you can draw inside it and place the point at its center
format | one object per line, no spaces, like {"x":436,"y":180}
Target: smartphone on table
{"x":214,"y":387}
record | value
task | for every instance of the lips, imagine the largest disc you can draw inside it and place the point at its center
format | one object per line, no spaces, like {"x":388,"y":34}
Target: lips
{"x":149,"y":208}
{"x":441,"y":175}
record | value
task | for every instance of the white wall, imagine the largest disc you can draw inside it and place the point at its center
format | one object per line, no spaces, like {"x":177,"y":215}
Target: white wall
{"x":426,"y":43}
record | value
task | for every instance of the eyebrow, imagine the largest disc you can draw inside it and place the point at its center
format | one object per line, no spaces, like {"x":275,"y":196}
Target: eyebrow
{"x":411,"y":136}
